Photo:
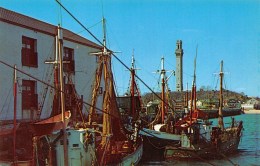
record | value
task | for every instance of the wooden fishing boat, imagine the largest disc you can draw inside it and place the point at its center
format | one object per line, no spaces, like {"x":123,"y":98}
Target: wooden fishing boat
{"x":131,"y":107}
{"x":192,"y":136}
{"x":200,"y":139}
{"x":100,"y":141}
{"x":159,"y":132}
{"x":117,"y":146}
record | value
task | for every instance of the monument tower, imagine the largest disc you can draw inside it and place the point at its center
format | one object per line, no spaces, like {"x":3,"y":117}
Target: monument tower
{"x":179,"y":70}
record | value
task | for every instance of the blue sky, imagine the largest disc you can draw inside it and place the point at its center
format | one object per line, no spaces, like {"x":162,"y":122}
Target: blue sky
{"x":225,"y":30}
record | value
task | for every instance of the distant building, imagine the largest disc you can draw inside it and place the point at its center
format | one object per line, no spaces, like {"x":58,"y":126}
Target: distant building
{"x":28,"y":43}
{"x":252,"y":101}
{"x":233,"y":103}
{"x":179,"y":66}
{"x":199,"y":103}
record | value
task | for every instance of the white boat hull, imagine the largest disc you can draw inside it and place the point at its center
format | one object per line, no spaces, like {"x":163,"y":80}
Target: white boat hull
{"x":134,"y":158}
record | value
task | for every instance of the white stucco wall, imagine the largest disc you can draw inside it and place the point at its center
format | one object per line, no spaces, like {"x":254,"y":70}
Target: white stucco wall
{"x":10,"y":52}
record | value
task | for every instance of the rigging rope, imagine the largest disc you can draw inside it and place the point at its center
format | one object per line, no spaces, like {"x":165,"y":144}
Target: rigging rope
{"x":53,"y":87}
{"x":101,"y":44}
{"x":6,"y":102}
{"x":112,"y":54}
{"x":48,"y":77}
{"x":79,"y":32}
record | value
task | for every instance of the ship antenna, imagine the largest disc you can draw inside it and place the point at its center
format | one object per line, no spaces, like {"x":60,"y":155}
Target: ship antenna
{"x":104,"y":31}
{"x":133,"y":59}
{"x":59,"y":14}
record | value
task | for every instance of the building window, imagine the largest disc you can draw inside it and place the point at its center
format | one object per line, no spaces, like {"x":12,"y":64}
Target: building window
{"x":29,"y":52}
{"x":29,"y":95}
{"x":68,"y":56}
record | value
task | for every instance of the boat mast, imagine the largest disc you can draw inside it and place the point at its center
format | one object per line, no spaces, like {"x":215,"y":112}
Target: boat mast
{"x":187,"y":97}
{"x":15,"y":103}
{"x":56,"y":101}
{"x":194,"y":81}
{"x":62,"y":96}
{"x":101,"y":64}
{"x":191,"y":103}
{"x":107,"y":105}
{"x":163,"y":88}
{"x":104,"y":36}
{"x":132,"y":70}
{"x":193,"y":91}
{"x":220,"y":113}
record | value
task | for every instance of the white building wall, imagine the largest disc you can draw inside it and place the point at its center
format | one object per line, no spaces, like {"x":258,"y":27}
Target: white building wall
{"x":10,"y":52}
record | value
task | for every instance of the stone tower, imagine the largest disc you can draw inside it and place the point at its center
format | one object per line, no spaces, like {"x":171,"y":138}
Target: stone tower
{"x":179,"y":70}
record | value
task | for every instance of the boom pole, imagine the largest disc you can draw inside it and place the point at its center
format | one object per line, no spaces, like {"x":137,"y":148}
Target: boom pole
{"x":60,"y":47}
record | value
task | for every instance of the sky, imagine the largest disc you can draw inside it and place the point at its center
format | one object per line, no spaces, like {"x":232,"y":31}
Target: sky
{"x":227,"y":30}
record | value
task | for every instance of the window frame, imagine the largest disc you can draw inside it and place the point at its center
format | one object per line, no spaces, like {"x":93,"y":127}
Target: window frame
{"x":29,"y":55}
{"x":29,"y":95}
{"x":68,"y":55}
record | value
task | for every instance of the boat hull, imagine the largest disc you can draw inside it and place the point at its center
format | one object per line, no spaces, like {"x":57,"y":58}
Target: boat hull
{"x":203,"y":151}
{"x":81,"y":151}
{"x":155,"y":143}
{"x":153,"y":148}
{"x":17,"y":163}
{"x":213,"y":113}
{"x":133,"y":158}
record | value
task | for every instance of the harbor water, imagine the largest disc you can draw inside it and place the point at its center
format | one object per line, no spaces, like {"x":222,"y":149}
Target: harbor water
{"x":248,"y":151}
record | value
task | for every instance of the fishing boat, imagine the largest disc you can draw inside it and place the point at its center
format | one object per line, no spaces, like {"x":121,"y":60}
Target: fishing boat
{"x":158,"y":131}
{"x":117,"y":146}
{"x":131,"y":104}
{"x":101,"y":139}
{"x":202,"y":140}
{"x":60,"y":114}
